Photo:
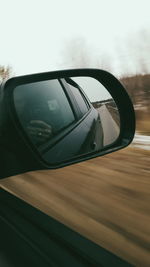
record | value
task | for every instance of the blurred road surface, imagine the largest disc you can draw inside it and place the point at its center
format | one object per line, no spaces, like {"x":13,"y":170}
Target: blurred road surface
{"x":106,"y":199}
{"x":110,"y":127}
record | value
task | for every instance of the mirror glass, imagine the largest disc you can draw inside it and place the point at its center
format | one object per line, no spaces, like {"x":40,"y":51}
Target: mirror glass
{"x":67,"y":118}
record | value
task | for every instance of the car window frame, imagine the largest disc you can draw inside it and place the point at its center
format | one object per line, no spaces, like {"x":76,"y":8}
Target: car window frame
{"x":76,"y":111}
{"x":74,"y":100}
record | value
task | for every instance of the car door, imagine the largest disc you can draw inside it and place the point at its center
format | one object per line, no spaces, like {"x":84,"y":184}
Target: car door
{"x":83,"y":130}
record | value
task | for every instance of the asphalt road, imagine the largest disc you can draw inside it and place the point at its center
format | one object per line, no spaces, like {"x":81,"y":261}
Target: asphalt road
{"x":110,"y":127}
{"x":105,"y":199}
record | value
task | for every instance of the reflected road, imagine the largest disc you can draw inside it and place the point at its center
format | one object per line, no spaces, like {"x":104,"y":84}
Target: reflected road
{"x":110,"y":127}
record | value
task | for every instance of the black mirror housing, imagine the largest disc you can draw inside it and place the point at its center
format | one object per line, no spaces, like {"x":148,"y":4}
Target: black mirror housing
{"x":21,"y":155}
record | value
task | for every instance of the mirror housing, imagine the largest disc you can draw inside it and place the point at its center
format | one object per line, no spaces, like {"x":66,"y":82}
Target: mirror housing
{"x":19,"y":153}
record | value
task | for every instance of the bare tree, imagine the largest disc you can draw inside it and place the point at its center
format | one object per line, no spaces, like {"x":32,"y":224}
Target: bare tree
{"x":5,"y":72}
{"x":133,"y":55}
{"x":78,"y":54}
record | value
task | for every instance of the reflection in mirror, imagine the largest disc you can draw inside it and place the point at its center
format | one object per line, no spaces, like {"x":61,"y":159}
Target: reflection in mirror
{"x":103,"y":102}
{"x":66,"y":118}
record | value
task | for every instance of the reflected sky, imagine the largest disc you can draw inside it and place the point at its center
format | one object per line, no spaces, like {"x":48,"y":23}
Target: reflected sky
{"x":92,"y":88}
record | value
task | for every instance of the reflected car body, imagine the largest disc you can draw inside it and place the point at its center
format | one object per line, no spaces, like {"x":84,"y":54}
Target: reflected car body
{"x":83,"y":133}
{"x":85,"y":130}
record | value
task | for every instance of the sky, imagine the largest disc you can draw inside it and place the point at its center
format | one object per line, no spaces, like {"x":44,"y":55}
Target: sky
{"x":93,"y":89}
{"x":47,"y":35}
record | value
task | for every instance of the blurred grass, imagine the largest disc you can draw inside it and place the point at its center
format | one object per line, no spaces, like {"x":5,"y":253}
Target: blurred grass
{"x":105,"y":199}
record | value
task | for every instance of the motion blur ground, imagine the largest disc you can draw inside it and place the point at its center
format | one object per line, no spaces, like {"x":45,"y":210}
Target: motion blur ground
{"x":105,"y":199}
{"x":141,"y":141}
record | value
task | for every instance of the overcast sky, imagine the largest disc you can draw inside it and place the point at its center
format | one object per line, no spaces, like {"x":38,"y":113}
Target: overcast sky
{"x":35,"y":34}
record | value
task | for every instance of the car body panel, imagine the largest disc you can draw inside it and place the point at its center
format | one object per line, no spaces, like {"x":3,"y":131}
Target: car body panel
{"x":32,"y":238}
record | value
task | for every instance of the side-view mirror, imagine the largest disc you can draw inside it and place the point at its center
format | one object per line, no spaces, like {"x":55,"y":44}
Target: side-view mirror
{"x":51,"y":120}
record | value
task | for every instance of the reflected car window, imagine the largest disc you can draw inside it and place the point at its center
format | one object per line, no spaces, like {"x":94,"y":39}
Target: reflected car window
{"x":83,"y":105}
{"x":48,"y":112}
